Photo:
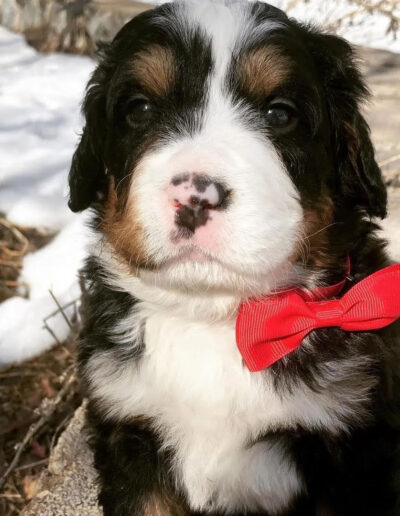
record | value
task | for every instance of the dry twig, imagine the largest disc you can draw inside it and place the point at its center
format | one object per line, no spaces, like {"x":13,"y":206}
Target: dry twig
{"x":46,"y":410}
{"x":390,"y":9}
{"x":61,"y":309}
{"x":18,"y":235}
{"x":390,"y":160}
{"x":32,"y":464}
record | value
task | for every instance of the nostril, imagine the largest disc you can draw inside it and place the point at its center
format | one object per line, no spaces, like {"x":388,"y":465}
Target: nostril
{"x":195,"y":201}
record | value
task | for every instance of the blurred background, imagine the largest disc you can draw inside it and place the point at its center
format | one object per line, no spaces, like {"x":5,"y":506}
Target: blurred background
{"x":47,"y":52}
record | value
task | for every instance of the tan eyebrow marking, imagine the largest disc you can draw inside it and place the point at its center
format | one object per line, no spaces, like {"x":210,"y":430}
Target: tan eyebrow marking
{"x":263,"y":70}
{"x":155,"y":69}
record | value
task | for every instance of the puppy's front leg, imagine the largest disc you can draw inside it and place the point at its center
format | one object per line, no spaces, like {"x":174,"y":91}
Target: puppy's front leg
{"x":132,"y":472}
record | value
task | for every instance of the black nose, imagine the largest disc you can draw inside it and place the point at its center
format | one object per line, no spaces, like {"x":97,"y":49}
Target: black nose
{"x":194,"y":195}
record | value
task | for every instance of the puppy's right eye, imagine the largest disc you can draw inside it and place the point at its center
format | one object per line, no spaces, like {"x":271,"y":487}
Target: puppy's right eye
{"x":139,"y":110}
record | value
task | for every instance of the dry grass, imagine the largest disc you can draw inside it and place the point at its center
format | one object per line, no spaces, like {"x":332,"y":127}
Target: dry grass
{"x":390,"y":9}
{"x":23,"y":389}
{"x":28,"y":387}
{"x":15,"y":242}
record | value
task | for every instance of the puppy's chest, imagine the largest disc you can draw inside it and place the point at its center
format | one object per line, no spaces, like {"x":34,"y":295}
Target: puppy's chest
{"x":192,"y":371}
{"x":208,"y":409}
{"x":212,"y":413}
{"x":195,"y":367}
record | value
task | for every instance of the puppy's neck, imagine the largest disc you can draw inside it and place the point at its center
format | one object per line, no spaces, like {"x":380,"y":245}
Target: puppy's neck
{"x":208,"y":305}
{"x":189,"y":304}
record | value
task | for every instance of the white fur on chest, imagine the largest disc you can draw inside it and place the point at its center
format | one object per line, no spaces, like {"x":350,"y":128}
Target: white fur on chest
{"x":208,"y":408}
{"x":212,"y":408}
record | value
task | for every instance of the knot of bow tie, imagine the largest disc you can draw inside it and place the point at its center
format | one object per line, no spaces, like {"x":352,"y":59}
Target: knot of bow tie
{"x":267,"y":329}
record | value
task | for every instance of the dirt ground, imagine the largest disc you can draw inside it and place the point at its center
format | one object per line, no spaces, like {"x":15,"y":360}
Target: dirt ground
{"x":24,"y":387}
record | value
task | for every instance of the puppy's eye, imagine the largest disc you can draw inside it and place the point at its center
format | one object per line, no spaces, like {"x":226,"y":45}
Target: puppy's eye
{"x":281,"y":115}
{"x":139,"y":110}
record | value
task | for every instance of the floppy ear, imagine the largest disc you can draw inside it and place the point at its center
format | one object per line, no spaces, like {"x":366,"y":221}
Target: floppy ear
{"x":87,"y":176}
{"x":360,"y":178}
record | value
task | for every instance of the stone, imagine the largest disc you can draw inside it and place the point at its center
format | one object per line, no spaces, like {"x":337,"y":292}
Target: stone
{"x":382,"y":70}
{"x":68,"y":25}
{"x":68,"y":487}
{"x":391,"y":225}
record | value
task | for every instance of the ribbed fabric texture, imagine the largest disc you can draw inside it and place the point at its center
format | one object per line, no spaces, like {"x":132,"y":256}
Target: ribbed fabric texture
{"x":270,"y":328}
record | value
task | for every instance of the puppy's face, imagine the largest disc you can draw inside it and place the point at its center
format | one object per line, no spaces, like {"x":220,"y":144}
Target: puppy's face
{"x":216,"y":146}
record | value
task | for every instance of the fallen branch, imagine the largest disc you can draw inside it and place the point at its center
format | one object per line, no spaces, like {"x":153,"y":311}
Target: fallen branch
{"x":390,"y":160}
{"x":390,"y":9}
{"x":61,"y":309}
{"x":47,"y":327}
{"x":46,"y":410}
{"x":8,"y":263}
{"x":32,"y":464}
{"x":11,"y":496}
{"x":67,"y":305}
{"x":13,"y":284}
{"x":17,"y":234}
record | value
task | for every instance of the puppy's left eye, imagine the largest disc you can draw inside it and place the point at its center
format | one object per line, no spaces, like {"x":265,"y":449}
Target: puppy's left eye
{"x":281,"y":115}
{"x":139,"y":110}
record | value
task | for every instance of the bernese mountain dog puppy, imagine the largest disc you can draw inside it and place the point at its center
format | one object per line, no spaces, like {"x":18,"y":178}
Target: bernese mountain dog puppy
{"x":225,"y":159}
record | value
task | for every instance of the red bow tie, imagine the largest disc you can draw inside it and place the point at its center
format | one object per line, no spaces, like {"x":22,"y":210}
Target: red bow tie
{"x":270,"y":328}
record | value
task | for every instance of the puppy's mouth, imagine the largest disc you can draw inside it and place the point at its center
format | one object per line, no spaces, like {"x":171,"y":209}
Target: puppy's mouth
{"x":189,"y":254}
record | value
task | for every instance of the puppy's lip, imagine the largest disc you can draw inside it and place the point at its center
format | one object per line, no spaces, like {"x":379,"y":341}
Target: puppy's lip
{"x":191,"y":254}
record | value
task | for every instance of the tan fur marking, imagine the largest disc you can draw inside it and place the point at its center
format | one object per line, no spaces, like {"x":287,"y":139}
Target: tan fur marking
{"x":313,"y":247}
{"x":124,"y":231}
{"x":163,"y":504}
{"x":154,"y":68}
{"x":263,"y":70}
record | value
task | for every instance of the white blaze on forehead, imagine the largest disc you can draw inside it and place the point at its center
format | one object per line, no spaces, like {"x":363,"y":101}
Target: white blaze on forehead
{"x":229,"y":25}
{"x":225,"y":23}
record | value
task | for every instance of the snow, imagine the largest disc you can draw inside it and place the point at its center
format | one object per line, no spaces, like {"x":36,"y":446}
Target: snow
{"x":40,"y":97}
{"x":52,"y":267}
{"x":364,"y":29}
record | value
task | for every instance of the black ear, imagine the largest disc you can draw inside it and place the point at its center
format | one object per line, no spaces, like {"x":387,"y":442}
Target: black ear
{"x":87,"y":176}
{"x":360,"y":178}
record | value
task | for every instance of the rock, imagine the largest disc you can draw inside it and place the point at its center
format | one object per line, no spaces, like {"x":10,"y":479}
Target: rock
{"x":391,"y":225}
{"x":382,"y":70}
{"x":68,"y":25}
{"x":68,"y":487}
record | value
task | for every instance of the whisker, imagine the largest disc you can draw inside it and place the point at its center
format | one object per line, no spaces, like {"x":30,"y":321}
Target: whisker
{"x":322,"y":229}
{"x":122,"y":180}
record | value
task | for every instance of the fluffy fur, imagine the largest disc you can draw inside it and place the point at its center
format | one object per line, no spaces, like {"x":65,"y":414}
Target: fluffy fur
{"x":225,"y":156}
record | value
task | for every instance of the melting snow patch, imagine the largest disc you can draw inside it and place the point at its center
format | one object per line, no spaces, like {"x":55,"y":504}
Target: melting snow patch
{"x":40,"y":98}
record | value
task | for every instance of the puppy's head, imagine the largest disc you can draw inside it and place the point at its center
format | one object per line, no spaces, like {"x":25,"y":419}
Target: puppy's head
{"x":219,"y":137}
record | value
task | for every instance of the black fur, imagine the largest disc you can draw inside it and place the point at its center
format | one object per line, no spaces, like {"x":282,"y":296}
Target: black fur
{"x":107,"y":146}
{"x":130,"y":465}
{"x":349,"y":473}
{"x":102,"y":309}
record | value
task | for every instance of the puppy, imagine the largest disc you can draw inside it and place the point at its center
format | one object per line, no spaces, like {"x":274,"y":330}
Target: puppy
{"x":225,"y":160}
